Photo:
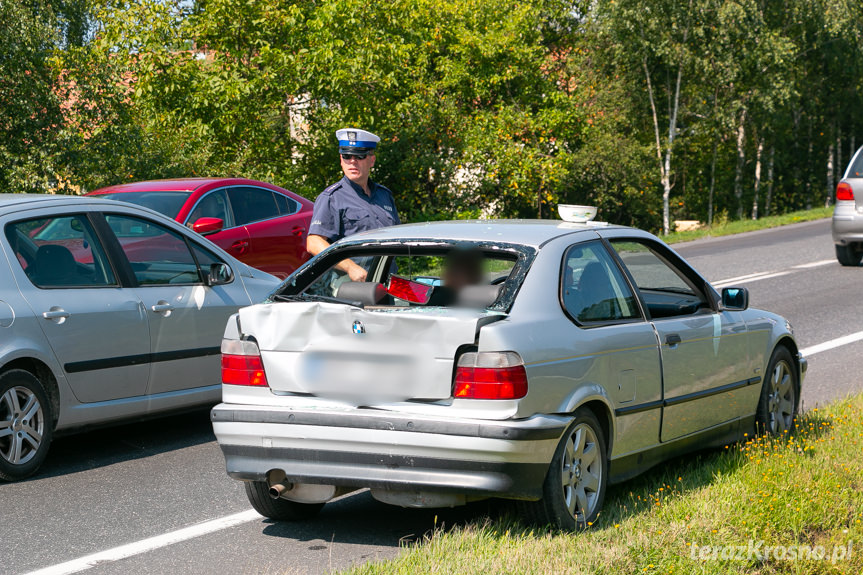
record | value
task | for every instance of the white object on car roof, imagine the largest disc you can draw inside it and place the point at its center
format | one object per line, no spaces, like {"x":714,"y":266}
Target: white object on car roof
{"x":576,"y":214}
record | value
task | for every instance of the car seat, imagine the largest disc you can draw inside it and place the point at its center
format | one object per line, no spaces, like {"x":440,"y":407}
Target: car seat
{"x":54,"y":265}
{"x":597,"y":294}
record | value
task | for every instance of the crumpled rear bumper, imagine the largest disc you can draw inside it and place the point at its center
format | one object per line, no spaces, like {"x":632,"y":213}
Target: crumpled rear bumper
{"x":393,"y":451}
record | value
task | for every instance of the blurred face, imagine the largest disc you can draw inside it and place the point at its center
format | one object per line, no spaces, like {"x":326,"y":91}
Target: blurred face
{"x":357,"y":170}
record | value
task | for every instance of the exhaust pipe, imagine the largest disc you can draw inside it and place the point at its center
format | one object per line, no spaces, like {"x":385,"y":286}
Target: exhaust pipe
{"x":279,"y":488}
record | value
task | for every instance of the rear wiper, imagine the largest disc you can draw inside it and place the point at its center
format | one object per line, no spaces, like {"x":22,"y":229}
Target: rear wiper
{"x":316,"y":297}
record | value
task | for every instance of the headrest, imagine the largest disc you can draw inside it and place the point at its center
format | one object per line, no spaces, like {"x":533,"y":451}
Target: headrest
{"x":367,"y":293}
{"x":478,"y":295}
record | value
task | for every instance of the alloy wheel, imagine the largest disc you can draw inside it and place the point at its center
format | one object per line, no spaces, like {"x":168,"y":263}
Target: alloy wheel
{"x":581,"y":472}
{"x":22,"y":424}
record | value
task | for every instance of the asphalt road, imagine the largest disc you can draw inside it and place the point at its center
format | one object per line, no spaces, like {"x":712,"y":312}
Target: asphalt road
{"x":123,"y":486}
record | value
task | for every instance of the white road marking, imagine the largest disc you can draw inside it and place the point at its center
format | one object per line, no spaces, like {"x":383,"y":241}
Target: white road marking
{"x":742,"y":278}
{"x":817,"y":264}
{"x":145,"y":545}
{"x":764,"y":276}
{"x":754,"y":277}
{"x":832,"y":344}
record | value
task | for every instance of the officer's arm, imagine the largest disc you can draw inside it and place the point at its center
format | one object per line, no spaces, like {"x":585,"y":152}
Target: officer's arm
{"x":315,"y":244}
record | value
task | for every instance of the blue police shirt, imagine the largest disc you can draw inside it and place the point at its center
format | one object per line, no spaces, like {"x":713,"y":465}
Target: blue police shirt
{"x":344,"y":209}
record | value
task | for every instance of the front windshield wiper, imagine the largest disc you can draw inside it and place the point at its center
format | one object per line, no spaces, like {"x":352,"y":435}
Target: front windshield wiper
{"x":316,"y":297}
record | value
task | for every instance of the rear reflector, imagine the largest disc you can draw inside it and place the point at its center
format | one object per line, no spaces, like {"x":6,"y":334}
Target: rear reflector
{"x":844,"y":191}
{"x":408,"y":290}
{"x":490,"y":375}
{"x":241,"y":364}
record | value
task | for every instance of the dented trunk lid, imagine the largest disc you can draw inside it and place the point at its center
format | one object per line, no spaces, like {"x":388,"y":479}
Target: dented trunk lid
{"x":363,"y":356}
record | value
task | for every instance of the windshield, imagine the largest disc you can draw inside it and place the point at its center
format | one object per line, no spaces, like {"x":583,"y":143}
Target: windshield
{"x":166,"y":203}
{"x":447,"y":275}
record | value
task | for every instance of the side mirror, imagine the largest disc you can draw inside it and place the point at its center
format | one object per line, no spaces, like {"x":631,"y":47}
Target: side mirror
{"x":220,"y":274}
{"x":206,"y":226}
{"x":735,"y":298}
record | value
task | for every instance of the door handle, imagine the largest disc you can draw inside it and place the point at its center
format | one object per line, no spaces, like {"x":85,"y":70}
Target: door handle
{"x":162,"y":307}
{"x":672,"y":339}
{"x":240,"y":246}
{"x":298,"y":231}
{"x":56,"y":314}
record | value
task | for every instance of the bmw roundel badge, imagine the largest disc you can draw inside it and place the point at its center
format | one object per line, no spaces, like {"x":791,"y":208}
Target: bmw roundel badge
{"x":359,"y":328}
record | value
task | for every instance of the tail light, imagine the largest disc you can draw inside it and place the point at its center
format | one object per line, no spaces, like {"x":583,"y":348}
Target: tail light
{"x":241,"y":364}
{"x":844,"y":191}
{"x":490,"y":375}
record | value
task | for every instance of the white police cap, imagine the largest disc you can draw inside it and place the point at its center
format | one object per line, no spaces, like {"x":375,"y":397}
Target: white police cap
{"x":353,"y":140}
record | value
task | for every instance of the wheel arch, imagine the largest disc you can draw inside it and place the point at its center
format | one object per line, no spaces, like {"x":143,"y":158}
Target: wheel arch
{"x":603,"y":414}
{"x":43,"y":373}
{"x":594,"y":397}
{"x":791,"y":345}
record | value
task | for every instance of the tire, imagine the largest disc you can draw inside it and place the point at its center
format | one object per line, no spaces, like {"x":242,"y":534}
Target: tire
{"x":26,"y":424}
{"x":258,"y":493}
{"x":777,"y":406}
{"x":574,"y":488}
{"x":848,"y":255}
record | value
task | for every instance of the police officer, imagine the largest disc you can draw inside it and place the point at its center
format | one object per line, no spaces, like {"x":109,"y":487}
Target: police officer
{"x":353,"y":204}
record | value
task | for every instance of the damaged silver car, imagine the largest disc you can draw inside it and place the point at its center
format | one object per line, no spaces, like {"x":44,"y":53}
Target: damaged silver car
{"x":531,"y":360}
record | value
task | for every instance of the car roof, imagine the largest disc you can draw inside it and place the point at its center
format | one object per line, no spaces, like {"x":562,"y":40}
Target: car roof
{"x":177,"y":185}
{"x":28,"y":200}
{"x":527,"y":232}
{"x":11,"y":203}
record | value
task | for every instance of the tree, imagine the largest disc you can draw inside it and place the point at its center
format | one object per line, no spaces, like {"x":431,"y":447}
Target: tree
{"x":29,"y":109}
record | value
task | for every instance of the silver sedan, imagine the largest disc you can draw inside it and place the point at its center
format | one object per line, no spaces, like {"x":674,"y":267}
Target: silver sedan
{"x":847,"y":225}
{"x":108,"y":312}
{"x":530,"y":360}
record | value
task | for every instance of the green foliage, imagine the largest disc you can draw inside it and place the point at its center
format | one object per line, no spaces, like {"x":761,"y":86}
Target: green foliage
{"x":29,"y":110}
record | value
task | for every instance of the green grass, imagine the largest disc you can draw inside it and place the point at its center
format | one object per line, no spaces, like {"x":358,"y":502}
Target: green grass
{"x":739,"y":226}
{"x":788,"y":493}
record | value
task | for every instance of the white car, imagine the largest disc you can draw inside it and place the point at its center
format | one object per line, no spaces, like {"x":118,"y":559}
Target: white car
{"x":531,"y":360}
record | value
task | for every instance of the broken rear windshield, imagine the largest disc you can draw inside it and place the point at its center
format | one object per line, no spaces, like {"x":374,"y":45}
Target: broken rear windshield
{"x":431,"y":274}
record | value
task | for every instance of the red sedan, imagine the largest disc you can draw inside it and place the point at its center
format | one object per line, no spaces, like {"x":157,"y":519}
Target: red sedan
{"x":260,"y":224}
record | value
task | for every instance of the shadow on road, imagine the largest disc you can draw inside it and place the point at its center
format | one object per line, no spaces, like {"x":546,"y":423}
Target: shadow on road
{"x":109,"y":445}
{"x":362,"y":520}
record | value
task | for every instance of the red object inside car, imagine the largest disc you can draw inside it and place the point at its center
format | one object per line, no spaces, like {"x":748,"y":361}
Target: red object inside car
{"x":405,"y":289}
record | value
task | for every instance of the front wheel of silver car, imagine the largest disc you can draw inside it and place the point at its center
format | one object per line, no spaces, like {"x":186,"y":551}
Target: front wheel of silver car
{"x":777,"y":406}
{"x":574,"y":488}
{"x":25,"y":424}
{"x":258,"y":493}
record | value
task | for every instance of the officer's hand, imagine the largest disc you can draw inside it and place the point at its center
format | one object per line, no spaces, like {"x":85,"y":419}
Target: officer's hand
{"x":357,"y":274}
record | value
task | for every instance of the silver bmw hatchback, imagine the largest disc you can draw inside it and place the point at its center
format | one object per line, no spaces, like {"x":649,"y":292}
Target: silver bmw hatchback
{"x":108,"y":312}
{"x":531,"y":360}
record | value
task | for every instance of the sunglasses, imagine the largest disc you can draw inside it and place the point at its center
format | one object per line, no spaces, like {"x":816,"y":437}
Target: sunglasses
{"x":349,"y":157}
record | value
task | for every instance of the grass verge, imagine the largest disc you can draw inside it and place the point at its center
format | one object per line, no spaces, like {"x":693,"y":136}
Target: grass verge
{"x":740,"y":226}
{"x":790,"y":505}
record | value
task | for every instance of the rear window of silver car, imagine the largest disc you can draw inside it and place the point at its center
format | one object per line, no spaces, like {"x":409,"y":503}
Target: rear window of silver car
{"x":401,"y":277}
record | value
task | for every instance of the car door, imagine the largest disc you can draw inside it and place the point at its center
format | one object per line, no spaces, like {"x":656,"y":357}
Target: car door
{"x":97,"y":329}
{"x":705,"y":357}
{"x":233,"y":237}
{"x":187,"y":317}
{"x":276,"y":230}
{"x":610,"y":343}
